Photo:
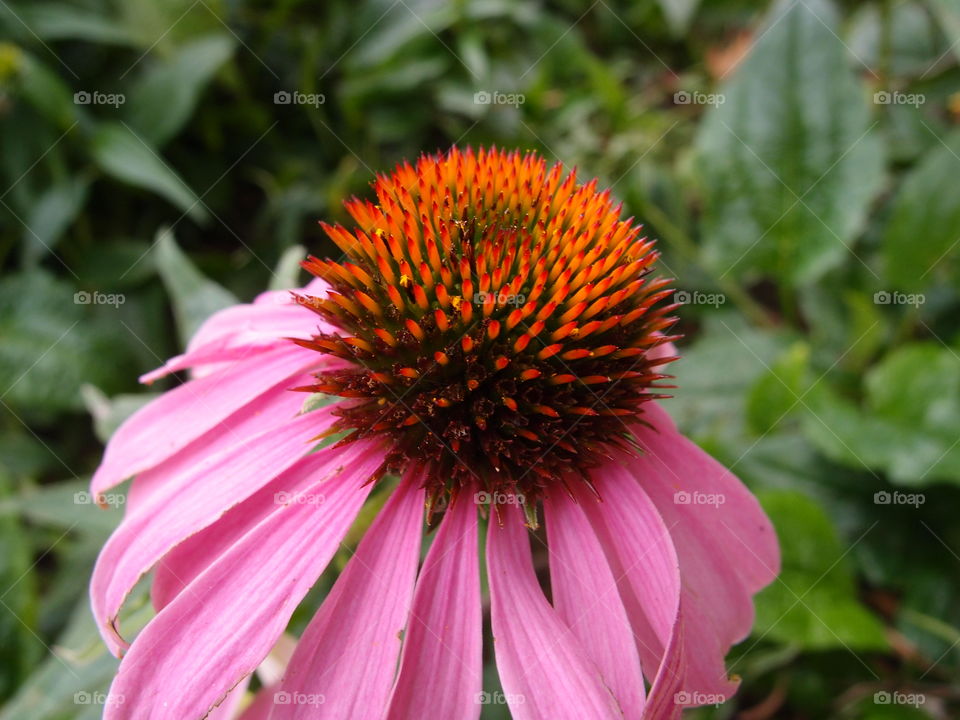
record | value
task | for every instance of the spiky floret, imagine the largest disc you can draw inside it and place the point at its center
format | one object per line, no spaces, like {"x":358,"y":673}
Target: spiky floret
{"x":497,"y":318}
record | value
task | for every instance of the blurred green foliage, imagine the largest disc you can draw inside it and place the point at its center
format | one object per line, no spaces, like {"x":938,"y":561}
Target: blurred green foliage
{"x":797,"y":160}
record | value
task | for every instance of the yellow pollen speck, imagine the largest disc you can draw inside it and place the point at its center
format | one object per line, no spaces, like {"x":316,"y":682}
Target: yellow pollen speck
{"x":404,"y":281}
{"x":379,"y":232}
{"x":455,"y":301}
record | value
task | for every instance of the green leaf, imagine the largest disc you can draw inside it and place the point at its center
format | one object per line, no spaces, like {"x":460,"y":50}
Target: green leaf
{"x":948,"y":12}
{"x":60,"y":21}
{"x":910,"y":421}
{"x":788,"y":162}
{"x":195,"y":297}
{"x":67,"y":506}
{"x":53,"y":341}
{"x":128,"y":158}
{"x":925,"y":221}
{"x":779,"y":392}
{"x":287,"y":274}
{"x":73,"y":681}
{"x":813,"y":603}
{"x":47,"y":93}
{"x":50,"y":216}
{"x":164,"y":98}
{"x":18,"y":648}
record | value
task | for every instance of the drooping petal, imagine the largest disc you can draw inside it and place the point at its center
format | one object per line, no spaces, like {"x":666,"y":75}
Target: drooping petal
{"x":544,"y":670}
{"x":262,"y":704}
{"x":177,"y":569}
{"x":685,"y":467}
{"x":442,"y":662}
{"x":177,"y":510}
{"x":178,"y":417}
{"x":229,"y":708}
{"x":271,"y":309}
{"x":243,"y":331}
{"x":220,"y":628}
{"x":587,"y":599}
{"x":665,"y":700}
{"x":347,"y":656}
{"x":640,"y":551}
{"x":725,"y":544}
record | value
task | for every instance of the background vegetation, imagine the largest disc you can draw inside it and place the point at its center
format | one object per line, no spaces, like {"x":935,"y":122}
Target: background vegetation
{"x":799,"y":163}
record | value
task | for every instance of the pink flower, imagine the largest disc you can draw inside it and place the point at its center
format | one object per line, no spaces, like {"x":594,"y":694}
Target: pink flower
{"x":492,"y":349}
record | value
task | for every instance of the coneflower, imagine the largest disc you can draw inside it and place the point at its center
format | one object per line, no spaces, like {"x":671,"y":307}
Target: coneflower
{"x":487,"y":353}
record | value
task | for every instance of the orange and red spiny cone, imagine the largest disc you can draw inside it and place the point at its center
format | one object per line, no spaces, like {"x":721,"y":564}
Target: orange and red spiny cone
{"x":497,"y":317}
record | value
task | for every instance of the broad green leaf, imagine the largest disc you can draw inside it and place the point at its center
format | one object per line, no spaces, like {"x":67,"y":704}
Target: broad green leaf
{"x":47,"y":93}
{"x":62,"y":21}
{"x":714,"y":375}
{"x":50,"y":216}
{"x":915,"y":44}
{"x":948,"y":12}
{"x":54,"y":340}
{"x":195,"y":297}
{"x":287,"y":274}
{"x":923,"y":233}
{"x":122,"y":154}
{"x":788,"y":161}
{"x":72,"y":683}
{"x":164,"y":98}
{"x":18,"y":615}
{"x":813,"y":603}
{"x":909,"y":424}
{"x":67,"y":506}
{"x":780,"y":391}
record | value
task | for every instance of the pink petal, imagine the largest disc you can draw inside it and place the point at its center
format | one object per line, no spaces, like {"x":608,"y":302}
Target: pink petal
{"x":640,"y":551}
{"x":587,"y":599}
{"x":229,"y":708}
{"x":178,"y":568}
{"x":726,"y":545}
{"x":176,"y":510}
{"x":442,"y":662}
{"x":175,"y":419}
{"x":262,"y":705}
{"x":346,"y":659}
{"x":220,"y":629}
{"x":752,"y":547}
{"x":544,"y":670}
{"x":273,"y":408}
{"x":665,"y":700}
